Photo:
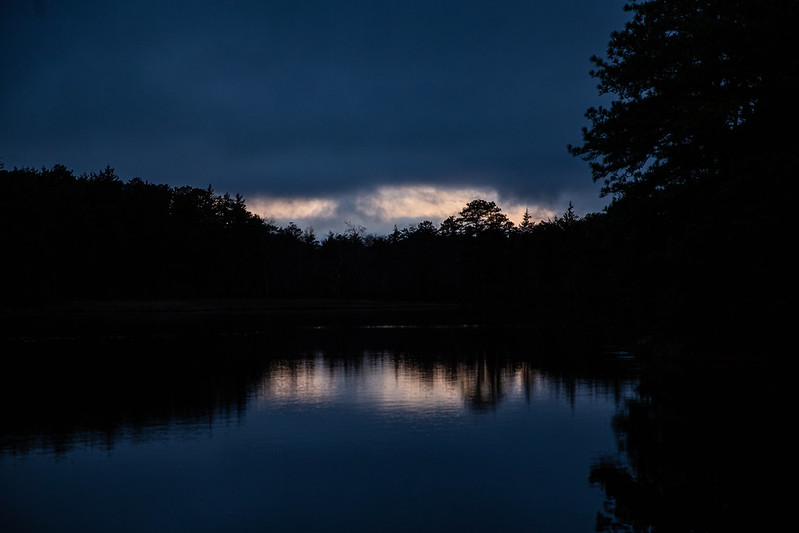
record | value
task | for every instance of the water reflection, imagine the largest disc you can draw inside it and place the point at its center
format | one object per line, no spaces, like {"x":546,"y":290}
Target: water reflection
{"x":63,"y":392}
{"x":60,"y":393}
{"x":701,"y":447}
{"x":378,"y":379}
{"x":393,"y":382}
{"x":316,"y":421}
{"x":312,"y":429}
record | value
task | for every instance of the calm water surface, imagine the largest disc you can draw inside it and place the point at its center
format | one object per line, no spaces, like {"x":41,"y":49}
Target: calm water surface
{"x":364,"y":428}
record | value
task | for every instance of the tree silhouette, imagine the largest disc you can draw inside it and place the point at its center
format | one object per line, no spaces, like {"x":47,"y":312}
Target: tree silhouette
{"x":692,"y":152}
{"x":477,"y":217}
{"x":683,"y":462}
{"x":527,"y":223}
{"x":694,"y":83}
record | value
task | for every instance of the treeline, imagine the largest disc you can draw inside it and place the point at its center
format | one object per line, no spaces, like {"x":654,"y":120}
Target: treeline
{"x":68,"y":237}
{"x":96,"y":237}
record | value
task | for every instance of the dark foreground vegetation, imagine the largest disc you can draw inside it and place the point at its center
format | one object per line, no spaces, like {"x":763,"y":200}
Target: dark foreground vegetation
{"x":693,"y":153}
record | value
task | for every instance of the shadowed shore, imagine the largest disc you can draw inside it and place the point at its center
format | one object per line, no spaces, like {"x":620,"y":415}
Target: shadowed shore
{"x":213,"y":305}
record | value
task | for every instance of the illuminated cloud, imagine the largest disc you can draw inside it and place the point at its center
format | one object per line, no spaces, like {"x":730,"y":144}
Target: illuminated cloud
{"x":388,"y":204}
{"x":538,"y":213}
{"x":417,"y":201}
{"x":293,"y":208}
{"x":380,"y":209}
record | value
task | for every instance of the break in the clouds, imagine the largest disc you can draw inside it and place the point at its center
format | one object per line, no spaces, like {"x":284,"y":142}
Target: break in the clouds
{"x":310,"y":99}
{"x":380,"y":210}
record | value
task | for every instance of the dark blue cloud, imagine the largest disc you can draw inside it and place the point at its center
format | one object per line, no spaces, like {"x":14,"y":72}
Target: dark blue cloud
{"x":305,"y":98}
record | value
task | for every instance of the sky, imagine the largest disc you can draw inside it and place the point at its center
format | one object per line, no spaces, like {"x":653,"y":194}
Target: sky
{"x":331,"y":114}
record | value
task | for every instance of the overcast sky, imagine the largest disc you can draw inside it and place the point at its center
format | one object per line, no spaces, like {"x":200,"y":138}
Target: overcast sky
{"x":323,"y":112}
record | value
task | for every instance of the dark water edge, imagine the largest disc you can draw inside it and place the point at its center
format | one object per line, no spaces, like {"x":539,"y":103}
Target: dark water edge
{"x":703,"y":446}
{"x":107,"y":317}
{"x":98,"y":370}
{"x":749,"y":340}
{"x":96,"y":388}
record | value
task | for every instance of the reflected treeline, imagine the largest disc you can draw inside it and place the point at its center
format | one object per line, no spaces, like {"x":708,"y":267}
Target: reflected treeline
{"x":58,"y":392}
{"x":477,"y":364}
{"x":401,"y":381}
{"x":97,"y":390}
{"x":699,"y":450}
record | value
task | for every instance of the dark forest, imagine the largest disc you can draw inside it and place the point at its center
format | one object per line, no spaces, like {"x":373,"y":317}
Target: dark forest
{"x":96,"y":237}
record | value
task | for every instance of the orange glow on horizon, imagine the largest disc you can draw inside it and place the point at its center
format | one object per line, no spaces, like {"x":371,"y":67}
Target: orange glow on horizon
{"x":389,"y":205}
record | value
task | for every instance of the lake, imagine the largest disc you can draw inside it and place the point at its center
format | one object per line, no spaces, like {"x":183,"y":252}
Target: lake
{"x":334,"y":422}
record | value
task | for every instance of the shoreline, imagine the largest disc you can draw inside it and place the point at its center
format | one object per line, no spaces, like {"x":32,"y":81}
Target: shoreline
{"x":108,"y":318}
{"x":218,"y":305}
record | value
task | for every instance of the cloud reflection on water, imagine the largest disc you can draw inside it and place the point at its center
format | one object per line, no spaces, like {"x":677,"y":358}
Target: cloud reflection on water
{"x":390,"y":383}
